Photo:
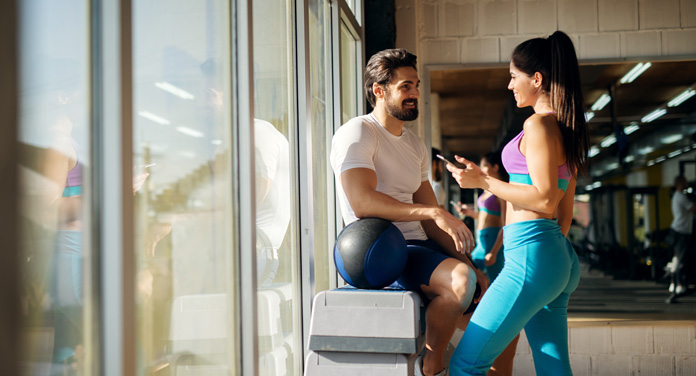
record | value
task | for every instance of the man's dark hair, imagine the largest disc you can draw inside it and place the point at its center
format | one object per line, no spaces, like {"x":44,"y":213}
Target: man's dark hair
{"x":380,"y":69}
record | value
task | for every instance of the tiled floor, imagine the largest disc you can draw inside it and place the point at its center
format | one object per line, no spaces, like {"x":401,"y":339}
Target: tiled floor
{"x":602,"y":297}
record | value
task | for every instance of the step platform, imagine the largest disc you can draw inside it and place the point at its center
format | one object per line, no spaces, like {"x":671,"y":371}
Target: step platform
{"x":359,"y":364}
{"x":347,"y":319}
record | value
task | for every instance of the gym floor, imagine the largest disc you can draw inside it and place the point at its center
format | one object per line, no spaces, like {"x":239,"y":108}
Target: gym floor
{"x":600,"y":297}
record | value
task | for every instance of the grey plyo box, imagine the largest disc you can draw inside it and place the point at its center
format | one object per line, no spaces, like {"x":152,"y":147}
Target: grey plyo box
{"x":359,"y":364}
{"x":376,"y":321}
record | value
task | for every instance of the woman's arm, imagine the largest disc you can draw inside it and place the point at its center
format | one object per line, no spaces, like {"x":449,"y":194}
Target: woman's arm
{"x":491,"y":256}
{"x":542,"y":152}
{"x":565,"y":208}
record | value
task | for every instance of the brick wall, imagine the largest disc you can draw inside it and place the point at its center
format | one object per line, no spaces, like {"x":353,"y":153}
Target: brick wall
{"x":639,"y":349}
{"x":486,"y":31}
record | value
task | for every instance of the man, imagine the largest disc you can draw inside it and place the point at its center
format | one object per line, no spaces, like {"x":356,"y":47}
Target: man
{"x":436,"y":169}
{"x":381,"y":171}
{"x":682,"y":224}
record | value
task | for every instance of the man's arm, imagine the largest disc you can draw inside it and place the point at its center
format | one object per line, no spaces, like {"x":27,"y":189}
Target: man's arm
{"x":360,"y":187}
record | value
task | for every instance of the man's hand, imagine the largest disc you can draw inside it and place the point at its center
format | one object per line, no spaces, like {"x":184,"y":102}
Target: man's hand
{"x":456,"y":229}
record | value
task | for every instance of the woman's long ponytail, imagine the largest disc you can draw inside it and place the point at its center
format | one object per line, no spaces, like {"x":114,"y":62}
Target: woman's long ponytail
{"x":567,"y":100}
{"x":554,"y":57}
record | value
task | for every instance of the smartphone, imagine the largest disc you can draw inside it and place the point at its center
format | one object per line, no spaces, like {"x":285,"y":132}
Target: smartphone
{"x":445,"y":160}
{"x":456,"y":204}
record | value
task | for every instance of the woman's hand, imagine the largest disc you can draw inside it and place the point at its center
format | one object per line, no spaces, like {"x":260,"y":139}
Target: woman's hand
{"x":490,"y":258}
{"x":469,"y":177}
{"x":466,"y":210}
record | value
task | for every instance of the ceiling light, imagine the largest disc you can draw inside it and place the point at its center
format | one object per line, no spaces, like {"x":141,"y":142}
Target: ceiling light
{"x":650,"y":162}
{"x":613,"y":166}
{"x":631,"y":128}
{"x":686,"y":149}
{"x":157,"y":119}
{"x":181,"y":93}
{"x":589,"y":116}
{"x":601,"y":102}
{"x":653,"y":115}
{"x":629,"y":159}
{"x":594,"y":151}
{"x":660,"y":159}
{"x":190,"y":132}
{"x":597,"y":184}
{"x":679,"y":99}
{"x":635,"y":72}
{"x":608,"y":141}
{"x":588,"y":187}
{"x":216,"y":142}
{"x":674,"y":153}
{"x":646,"y":150}
{"x":671,"y":138}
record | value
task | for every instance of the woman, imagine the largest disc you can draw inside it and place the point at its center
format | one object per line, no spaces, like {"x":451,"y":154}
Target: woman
{"x":541,"y":269}
{"x":489,"y":212}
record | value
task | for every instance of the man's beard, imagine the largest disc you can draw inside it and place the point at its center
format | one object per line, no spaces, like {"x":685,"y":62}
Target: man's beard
{"x":400,"y":112}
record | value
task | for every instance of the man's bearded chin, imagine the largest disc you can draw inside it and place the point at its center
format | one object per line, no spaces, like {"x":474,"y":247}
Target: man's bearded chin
{"x":401,"y":113}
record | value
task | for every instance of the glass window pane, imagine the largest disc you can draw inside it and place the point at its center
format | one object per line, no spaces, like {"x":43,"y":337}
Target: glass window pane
{"x":182,"y":171}
{"x":322,"y":129}
{"x":54,"y":133}
{"x":349,"y":74}
{"x":275,"y":130}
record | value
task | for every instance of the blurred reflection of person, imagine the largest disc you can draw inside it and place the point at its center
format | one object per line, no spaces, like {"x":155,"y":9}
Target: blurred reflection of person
{"x":272,"y":178}
{"x":67,"y":279}
{"x":272,"y":156}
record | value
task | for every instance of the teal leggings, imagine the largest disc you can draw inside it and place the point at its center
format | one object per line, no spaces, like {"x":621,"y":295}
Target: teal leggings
{"x":485,"y":240}
{"x":531,"y":293}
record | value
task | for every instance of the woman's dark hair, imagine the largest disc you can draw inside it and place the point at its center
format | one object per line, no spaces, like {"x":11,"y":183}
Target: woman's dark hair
{"x":380,"y":69}
{"x":555,"y":59}
{"x":494,"y":159}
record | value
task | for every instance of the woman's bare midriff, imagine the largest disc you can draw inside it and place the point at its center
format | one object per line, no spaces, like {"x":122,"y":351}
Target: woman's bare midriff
{"x":516,"y":214}
{"x":486,"y":220}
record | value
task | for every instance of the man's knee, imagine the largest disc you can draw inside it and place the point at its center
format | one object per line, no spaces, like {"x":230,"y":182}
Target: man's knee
{"x":463,"y":284}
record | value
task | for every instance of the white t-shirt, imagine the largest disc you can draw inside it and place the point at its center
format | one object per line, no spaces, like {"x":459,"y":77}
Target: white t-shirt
{"x":400,"y":162}
{"x":683,"y":219}
{"x":272,"y":181}
{"x":439,"y":192}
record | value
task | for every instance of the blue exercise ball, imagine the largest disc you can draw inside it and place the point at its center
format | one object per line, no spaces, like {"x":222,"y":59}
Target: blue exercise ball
{"x":370,"y":253}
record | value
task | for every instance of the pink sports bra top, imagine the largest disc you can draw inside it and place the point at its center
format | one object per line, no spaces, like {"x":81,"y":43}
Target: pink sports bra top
{"x":489,"y":205}
{"x":516,"y":165}
{"x":73,"y":183}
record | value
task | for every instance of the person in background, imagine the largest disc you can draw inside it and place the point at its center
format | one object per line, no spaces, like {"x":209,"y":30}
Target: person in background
{"x":489,"y":213}
{"x":436,"y":169}
{"x":681,"y":232}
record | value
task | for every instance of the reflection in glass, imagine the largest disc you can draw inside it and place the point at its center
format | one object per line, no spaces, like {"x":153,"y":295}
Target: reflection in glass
{"x":320,"y":57}
{"x":349,"y":75}
{"x":182,"y":150}
{"x":54,"y":163}
{"x":276,"y":249}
